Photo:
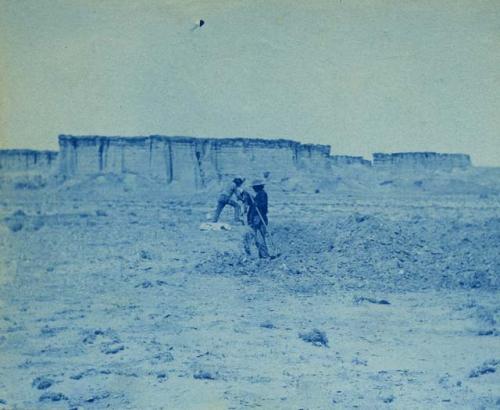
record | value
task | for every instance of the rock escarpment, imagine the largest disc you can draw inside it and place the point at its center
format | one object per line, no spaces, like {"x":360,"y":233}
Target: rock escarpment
{"x":189,"y":162}
{"x":427,"y":160}
{"x":27,"y":160}
{"x":186,"y":160}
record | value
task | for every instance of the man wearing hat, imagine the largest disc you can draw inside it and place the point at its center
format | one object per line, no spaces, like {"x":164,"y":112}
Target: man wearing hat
{"x":257,"y":220}
{"x":225,"y":199}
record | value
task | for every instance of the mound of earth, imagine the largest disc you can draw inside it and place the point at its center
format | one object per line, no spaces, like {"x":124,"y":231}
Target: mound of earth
{"x":366,"y":251}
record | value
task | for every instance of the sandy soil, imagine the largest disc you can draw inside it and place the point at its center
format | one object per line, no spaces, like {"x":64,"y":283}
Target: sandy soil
{"x":127,"y":304}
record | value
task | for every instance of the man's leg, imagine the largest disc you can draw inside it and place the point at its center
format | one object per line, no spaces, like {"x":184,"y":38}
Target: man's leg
{"x":248,"y":238}
{"x":220,"y":207}
{"x":260,"y":242}
{"x":237,"y":210}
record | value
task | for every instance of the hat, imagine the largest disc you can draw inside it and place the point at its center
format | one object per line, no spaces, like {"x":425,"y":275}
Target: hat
{"x":258,"y":182}
{"x":239,"y":180}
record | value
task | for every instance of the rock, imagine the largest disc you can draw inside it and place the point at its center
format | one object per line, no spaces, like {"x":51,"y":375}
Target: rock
{"x":50,"y":331}
{"x":51,"y":396}
{"x":360,"y":299}
{"x":77,"y":376}
{"x":42,"y":383}
{"x":204,"y":375}
{"x":487,"y":367}
{"x":360,"y":218}
{"x":99,"y":396}
{"x":145,"y":255}
{"x":164,"y":357}
{"x":14,"y":226}
{"x":112,"y":348}
{"x":387,"y":182}
{"x":488,"y":332}
{"x":88,"y":340}
{"x":359,"y":362}
{"x":92,"y":336}
{"x":146,"y":284}
{"x":388,"y":399}
{"x":316,"y":337}
{"x":161,"y":376}
{"x":267,"y":325}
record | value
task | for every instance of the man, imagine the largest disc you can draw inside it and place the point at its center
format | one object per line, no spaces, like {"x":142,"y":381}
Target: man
{"x":225,"y":199}
{"x":257,"y":220}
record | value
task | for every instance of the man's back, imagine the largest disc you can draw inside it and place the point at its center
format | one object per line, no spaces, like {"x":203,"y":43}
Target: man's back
{"x":260,"y":203}
{"x":229,"y":190}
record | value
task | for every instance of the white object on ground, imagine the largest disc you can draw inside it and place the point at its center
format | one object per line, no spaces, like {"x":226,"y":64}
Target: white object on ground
{"x":215,"y":226}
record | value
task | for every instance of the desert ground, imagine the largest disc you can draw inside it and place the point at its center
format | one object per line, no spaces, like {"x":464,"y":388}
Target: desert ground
{"x":376,"y":301}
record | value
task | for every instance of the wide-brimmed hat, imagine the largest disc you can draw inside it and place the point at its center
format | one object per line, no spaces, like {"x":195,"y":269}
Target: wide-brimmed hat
{"x":258,"y":182}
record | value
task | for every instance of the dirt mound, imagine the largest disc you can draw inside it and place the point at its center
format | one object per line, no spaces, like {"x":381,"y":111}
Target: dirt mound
{"x":366,"y":251}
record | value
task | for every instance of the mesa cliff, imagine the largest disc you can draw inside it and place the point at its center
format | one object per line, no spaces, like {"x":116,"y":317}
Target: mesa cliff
{"x":427,"y":160}
{"x":187,"y":160}
{"x":27,"y":160}
{"x":195,"y":162}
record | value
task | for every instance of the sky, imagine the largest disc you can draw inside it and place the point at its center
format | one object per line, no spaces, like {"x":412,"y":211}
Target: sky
{"x":362,"y":76}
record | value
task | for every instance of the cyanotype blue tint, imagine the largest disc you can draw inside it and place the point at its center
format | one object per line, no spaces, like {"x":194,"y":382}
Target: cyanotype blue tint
{"x":355,"y":268}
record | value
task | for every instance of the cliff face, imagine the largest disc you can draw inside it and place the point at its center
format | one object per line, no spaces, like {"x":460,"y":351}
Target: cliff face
{"x":346,"y":160}
{"x":191,"y":161}
{"x":26,"y":160}
{"x":427,"y":160}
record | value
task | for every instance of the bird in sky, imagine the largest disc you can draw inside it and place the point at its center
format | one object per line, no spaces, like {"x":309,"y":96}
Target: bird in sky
{"x":200,"y":23}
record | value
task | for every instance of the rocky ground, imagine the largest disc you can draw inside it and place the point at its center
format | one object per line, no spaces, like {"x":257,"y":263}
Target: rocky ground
{"x":382,"y":301}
